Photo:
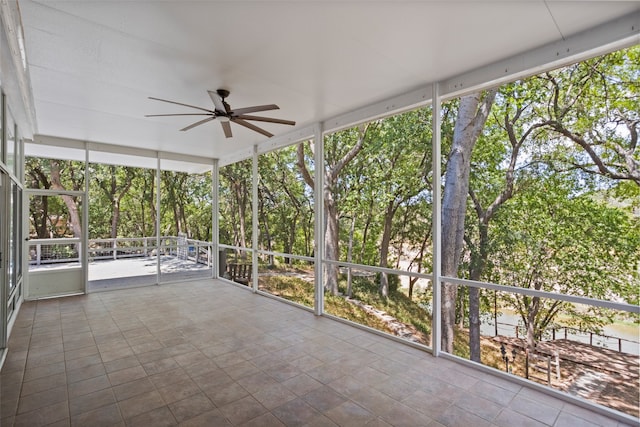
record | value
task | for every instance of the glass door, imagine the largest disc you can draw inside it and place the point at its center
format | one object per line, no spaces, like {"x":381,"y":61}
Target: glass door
{"x":3,"y":249}
{"x":55,"y":241}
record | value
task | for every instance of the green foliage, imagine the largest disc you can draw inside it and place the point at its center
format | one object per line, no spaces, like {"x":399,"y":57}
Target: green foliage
{"x":397,"y":304}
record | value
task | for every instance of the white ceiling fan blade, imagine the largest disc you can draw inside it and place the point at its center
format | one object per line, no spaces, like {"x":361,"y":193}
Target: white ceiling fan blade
{"x":217,"y":101}
{"x":201,"y":122}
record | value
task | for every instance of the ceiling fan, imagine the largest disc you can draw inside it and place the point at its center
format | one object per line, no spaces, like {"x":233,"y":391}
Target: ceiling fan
{"x":225,"y":114}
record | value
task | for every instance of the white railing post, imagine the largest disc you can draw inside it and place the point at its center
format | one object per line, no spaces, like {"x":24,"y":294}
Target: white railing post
{"x":436,"y":322}
{"x":38,"y":253}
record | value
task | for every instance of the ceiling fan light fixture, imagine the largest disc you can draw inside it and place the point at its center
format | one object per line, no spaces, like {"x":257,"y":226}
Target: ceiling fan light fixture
{"x":224,"y":119}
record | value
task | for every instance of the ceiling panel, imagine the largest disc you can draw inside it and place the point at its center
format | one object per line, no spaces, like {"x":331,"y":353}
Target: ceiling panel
{"x":93,"y":64}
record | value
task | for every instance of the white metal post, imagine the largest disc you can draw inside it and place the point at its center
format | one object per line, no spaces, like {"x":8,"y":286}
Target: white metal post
{"x":254,"y":222}
{"x":85,"y":222}
{"x":158,"y":170}
{"x":318,"y":201}
{"x":436,"y":323}
{"x":215,"y":223}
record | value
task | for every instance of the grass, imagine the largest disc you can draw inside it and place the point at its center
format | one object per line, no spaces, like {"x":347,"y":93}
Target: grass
{"x":397,"y":305}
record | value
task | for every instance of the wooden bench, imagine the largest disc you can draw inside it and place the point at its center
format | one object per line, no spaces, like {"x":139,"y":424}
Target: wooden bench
{"x":544,"y":364}
{"x":240,"y":272}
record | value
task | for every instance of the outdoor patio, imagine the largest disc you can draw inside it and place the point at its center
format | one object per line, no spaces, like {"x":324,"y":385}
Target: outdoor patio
{"x":209,"y":353}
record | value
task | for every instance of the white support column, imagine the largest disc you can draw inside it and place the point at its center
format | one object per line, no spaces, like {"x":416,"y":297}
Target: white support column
{"x":318,"y":201}
{"x":254,"y":222}
{"x":436,"y":323}
{"x":85,"y":222}
{"x":215,"y":218}
{"x":158,"y":182}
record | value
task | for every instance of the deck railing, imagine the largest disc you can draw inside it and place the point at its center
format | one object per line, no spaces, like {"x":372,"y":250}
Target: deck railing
{"x":69,"y":250}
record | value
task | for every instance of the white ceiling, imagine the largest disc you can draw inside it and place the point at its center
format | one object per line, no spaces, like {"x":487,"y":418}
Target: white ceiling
{"x":93,"y":64}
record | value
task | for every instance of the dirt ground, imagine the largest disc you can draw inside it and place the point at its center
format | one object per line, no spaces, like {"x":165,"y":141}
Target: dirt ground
{"x":597,"y":374}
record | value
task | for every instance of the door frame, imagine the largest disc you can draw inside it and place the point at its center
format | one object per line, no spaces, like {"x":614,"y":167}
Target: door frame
{"x":82,"y":253}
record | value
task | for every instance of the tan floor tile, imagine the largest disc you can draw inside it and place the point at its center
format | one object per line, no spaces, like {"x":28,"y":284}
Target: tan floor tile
{"x":196,"y":364}
{"x":242,"y":410}
{"x":85,"y":373}
{"x":492,"y":392}
{"x":255,"y":382}
{"x":111,"y":354}
{"x":536,"y":410}
{"x":349,"y":413}
{"x":179,"y":390}
{"x":43,"y":416}
{"x":241,"y":370}
{"x":191,"y":407}
{"x":265,"y":420}
{"x":324,"y":398}
{"x":159,"y":366}
{"x":455,"y":417}
{"x":479,"y":406}
{"x":83,"y":362}
{"x":147,"y":347}
{"x":62,"y":423}
{"x":167,"y":378}
{"x":43,"y":371}
{"x":208,"y":419}
{"x":42,"y":384}
{"x":36,"y":360}
{"x":140,"y":404}
{"x":81,"y":352}
{"x":224,"y":394}
{"x":191,"y":358}
{"x":42,"y":399}
{"x":8,"y":407}
{"x":119,"y":364}
{"x":427,"y":403}
{"x":509,"y":418}
{"x":295,"y":412}
{"x":400,"y":415}
{"x":274,"y":395}
{"x":88,"y":386}
{"x":159,"y":417}
{"x":125,"y":375}
{"x":105,"y":416}
{"x":133,"y":388}
{"x":91,"y":401}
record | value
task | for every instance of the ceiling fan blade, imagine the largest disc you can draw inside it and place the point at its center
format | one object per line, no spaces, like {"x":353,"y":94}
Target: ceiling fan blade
{"x":201,"y":122}
{"x":180,"y":103}
{"x":241,"y":111}
{"x":226,"y":127}
{"x":217,"y":100}
{"x":251,"y":126}
{"x":180,"y":114}
{"x":266,"y":119}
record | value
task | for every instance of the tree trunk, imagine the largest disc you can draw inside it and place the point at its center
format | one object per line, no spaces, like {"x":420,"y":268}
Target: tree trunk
{"x":331,"y":234}
{"x":472,"y":114}
{"x":532,"y":313}
{"x":331,"y":239}
{"x":352,"y":230}
{"x":69,"y":201}
{"x":384,"y":247}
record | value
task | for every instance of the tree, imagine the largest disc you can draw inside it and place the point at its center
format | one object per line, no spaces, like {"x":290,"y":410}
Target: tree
{"x":398,"y":173}
{"x":235,"y":196}
{"x":336,"y":158}
{"x":595,"y":105}
{"x":473,"y":111}
{"x":553,"y":240}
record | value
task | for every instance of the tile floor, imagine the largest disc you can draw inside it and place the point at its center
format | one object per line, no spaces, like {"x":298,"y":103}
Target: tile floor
{"x":207,"y":353}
